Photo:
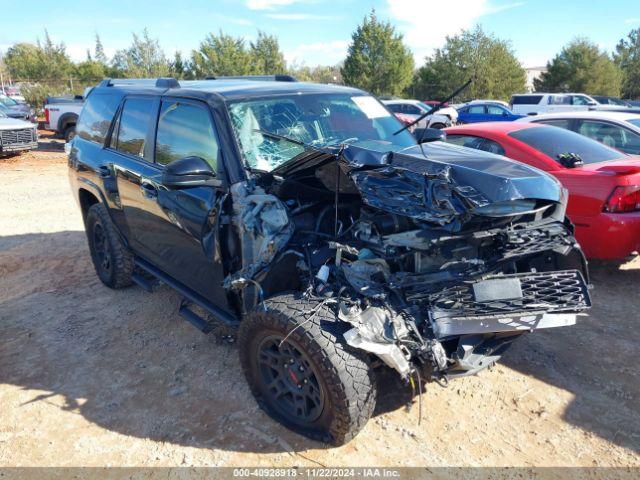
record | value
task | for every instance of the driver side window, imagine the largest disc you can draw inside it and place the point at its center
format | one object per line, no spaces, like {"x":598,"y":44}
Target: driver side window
{"x":185,"y":130}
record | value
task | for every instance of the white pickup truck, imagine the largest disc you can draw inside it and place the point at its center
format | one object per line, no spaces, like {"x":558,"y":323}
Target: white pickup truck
{"x":61,"y":114}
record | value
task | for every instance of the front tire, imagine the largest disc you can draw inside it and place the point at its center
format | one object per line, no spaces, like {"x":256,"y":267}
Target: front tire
{"x":438,"y":125}
{"x":111,"y":258}
{"x":313,"y":382}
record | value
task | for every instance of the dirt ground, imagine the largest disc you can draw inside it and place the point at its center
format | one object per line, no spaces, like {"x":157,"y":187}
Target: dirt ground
{"x":95,"y":377}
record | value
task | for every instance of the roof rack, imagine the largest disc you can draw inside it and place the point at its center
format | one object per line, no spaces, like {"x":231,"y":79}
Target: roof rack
{"x":257,"y":78}
{"x":163,"y":82}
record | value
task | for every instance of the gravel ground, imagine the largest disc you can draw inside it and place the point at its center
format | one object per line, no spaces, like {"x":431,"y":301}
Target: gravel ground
{"x":95,"y":377}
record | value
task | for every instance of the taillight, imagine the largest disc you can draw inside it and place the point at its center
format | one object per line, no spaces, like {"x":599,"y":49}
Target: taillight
{"x":46,"y":115}
{"x":624,"y":199}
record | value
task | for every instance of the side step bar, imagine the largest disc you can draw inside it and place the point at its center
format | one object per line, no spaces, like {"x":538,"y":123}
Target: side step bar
{"x":150,"y":285}
{"x":194,"y":319}
{"x":220,"y":315}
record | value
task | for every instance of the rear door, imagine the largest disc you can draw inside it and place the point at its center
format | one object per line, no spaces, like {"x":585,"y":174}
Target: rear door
{"x":130,"y":149}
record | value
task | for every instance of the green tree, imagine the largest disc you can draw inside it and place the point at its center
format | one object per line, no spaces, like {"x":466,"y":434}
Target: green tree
{"x":90,"y":70}
{"x":220,"y":55}
{"x":377,"y":59}
{"x":627,"y":56}
{"x":266,"y":57}
{"x":46,"y":61}
{"x":179,"y":67}
{"x":99,"y":54}
{"x":318,"y":74}
{"x":472,"y":53}
{"x":144,"y":58}
{"x":581,"y":67}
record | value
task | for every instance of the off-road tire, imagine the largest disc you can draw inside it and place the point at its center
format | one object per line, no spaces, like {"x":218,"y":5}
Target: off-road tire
{"x":344,"y":373}
{"x":119,"y":257}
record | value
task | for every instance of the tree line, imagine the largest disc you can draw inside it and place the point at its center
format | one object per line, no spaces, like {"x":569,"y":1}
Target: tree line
{"x":377,"y":60}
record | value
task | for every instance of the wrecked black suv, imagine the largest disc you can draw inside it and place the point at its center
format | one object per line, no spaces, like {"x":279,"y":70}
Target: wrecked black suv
{"x":336,"y":244}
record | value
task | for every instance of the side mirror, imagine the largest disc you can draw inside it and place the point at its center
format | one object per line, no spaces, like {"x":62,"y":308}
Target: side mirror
{"x":426,"y":135}
{"x":189,"y":172}
{"x":505,"y":114}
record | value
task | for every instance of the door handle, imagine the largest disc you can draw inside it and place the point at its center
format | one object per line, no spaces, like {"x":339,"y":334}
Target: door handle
{"x":103,"y":171}
{"x":148,"y":190}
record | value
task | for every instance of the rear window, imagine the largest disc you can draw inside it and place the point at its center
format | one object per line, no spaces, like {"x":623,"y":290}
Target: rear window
{"x":96,"y":117}
{"x":526,"y":99}
{"x":554,"y":141}
{"x":135,"y":120}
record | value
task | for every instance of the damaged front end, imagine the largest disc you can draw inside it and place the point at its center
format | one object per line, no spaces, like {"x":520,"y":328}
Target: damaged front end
{"x":438,"y":258}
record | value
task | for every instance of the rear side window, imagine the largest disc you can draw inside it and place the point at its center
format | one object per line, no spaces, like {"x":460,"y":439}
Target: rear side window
{"x":133,"y":126}
{"x":476,"y":143}
{"x":557,"y":123}
{"x":526,"y":100}
{"x":96,"y":117}
{"x":611,"y":135}
{"x":559,"y":100}
{"x":185,"y":130}
{"x":554,"y":141}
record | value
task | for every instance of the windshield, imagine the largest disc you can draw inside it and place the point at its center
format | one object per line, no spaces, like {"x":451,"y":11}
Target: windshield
{"x":2,"y":114}
{"x":426,"y":107}
{"x":272,"y":131}
{"x":555,"y":141}
{"x":9,"y":102}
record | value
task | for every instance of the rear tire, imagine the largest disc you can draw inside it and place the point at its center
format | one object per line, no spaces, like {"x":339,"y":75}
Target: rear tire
{"x":111,"y":258}
{"x":69,"y":133}
{"x":314,"y":383}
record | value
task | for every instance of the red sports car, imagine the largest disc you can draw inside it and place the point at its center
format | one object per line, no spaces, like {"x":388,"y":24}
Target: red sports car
{"x":603,"y":183}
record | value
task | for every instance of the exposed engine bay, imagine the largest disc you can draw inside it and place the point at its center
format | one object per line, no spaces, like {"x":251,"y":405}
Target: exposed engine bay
{"x":438,"y":261}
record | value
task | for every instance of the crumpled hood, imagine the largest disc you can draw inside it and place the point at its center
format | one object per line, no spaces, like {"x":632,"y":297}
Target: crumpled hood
{"x":447,"y":187}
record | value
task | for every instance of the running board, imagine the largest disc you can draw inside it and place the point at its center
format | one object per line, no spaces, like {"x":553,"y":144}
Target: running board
{"x":194,"y":319}
{"x":220,"y":315}
{"x":150,"y":285}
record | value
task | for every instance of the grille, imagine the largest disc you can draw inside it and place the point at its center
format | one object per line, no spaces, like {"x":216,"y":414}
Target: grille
{"x":13,"y":137}
{"x":534,"y":240}
{"x":562,"y":291}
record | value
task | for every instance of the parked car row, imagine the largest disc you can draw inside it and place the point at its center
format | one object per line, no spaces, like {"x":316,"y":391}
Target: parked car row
{"x":603,"y":182}
{"x":409,"y":110}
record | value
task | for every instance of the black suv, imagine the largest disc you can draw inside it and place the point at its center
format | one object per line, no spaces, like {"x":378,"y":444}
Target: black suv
{"x":337,"y":244}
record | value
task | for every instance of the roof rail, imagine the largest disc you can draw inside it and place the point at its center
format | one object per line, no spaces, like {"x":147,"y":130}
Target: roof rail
{"x":257,"y":78}
{"x":162,"y":82}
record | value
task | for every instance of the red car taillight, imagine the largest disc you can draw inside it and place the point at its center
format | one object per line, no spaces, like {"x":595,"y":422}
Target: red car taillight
{"x":46,"y":115}
{"x":624,"y":199}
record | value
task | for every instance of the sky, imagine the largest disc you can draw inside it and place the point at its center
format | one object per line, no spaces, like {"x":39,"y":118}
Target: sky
{"x":317,"y":32}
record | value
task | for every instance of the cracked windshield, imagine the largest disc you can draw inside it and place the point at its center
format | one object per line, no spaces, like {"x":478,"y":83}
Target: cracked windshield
{"x":273,"y":131}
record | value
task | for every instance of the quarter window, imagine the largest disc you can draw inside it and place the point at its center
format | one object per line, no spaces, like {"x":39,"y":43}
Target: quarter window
{"x":185,"y":130}
{"x":133,"y":126}
{"x":96,"y":116}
